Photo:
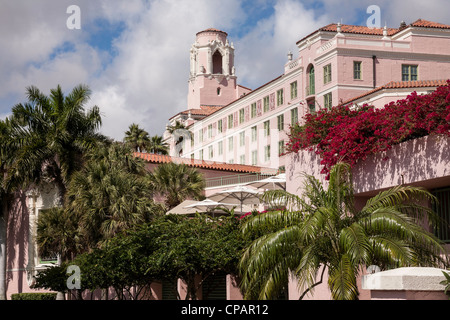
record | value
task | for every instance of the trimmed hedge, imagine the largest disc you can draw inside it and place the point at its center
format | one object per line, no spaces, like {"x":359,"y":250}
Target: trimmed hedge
{"x":34,"y":296}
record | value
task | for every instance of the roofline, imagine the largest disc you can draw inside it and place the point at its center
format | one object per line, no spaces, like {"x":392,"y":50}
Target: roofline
{"x":211,"y":30}
{"x":245,"y":95}
{"x":400,"y":85}
{"x":412,"y":25}
{"x":203,"y":164}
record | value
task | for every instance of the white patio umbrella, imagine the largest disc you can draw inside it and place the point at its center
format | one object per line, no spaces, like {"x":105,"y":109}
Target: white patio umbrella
{"x":240,"y":195}
{"x":208,"y":204}
{"x":272,"y":183}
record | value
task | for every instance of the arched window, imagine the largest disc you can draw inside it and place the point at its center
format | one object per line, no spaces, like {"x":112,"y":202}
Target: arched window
{"x":217,"y":63}
{"x":311,"y":88}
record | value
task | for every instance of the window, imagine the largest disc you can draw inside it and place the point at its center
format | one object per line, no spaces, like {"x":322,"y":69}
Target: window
{"x":280,"y":97}
{"x":210,"y":129}
{"x":200,"y":137}
{"x":218,"y":91}
{"x":211,"y":152}
{"x":254,"y":134}
{"x":230,"y":144}
{"x":253,"y":110}
{"x":312,"y":106}
{"x":409,"y":72}
{"x":267,"y":128}
{"x":242,"y":139}
{"x":242,"y":159}
{"x":241,"y":116}
{"x":280,"y":147}
{"x":294,"y":116}
{"x":193,"y":140}
{"x":328,"y":101}
{"x":230,"y":121}
{"x":327,"y":74}
{"x":266,"y":104}
{"x":442,"y":209}
{"x":357,"y":70}
{"x":201,"y":155}
{"x":217,"y":63}
{"x":267,"y":153}
{"x":311,"y":88}
{"x":293,"y":90}
{"x":219,"y":126}
{"x":220,"y":148}
{"x":254,"y":157}
{"x":280,"y":120}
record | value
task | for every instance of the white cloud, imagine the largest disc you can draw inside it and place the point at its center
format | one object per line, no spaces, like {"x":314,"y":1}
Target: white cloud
{"x":151,"y":70}
{"x":146,"y":80}
{"x":265,"y":48}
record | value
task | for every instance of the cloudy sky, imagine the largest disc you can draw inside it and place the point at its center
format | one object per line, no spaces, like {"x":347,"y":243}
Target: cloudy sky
{"x":134,"y":55}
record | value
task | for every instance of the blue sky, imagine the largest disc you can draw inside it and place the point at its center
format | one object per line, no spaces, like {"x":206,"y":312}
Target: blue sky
{"x":134,"y":54}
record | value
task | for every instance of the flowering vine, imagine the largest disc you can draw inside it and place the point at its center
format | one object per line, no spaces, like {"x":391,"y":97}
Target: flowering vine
{"x":352,"y":134}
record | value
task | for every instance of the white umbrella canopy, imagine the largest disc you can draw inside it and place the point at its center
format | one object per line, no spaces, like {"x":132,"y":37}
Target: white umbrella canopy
{"x":208,"y":204}
{"x":272,"y":183}
{"x":240,"y":195}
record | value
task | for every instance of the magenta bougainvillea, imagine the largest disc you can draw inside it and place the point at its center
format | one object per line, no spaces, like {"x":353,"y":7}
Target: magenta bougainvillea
{"x":350,"y":135}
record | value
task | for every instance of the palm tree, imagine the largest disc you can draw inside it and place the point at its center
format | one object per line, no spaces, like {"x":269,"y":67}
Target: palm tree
{"x":137,"y":138}
{"x":158,"y":146}
{"x":6,"y":154}
{"x":179,"y":133}
{"x":58,"y":233}
{"x":326,"y":232}
{"x":51,"y":134}
{"x":177,"y":182}
{"x":110,"y":194}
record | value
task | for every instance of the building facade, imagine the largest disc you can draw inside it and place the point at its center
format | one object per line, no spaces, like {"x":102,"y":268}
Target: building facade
{"x":230,"y":130}
{"x":335,"y":64}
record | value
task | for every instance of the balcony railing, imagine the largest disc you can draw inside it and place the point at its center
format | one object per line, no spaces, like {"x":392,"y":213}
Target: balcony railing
{"x":234,"y":179}
{"x":310,"y":90}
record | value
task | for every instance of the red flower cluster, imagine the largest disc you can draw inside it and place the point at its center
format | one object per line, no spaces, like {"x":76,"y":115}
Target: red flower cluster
{"x":254,"y":212}
{"x":349,"y":135}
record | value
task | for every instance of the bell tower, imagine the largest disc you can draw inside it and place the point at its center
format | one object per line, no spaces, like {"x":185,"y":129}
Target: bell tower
{"x":212,"y":80}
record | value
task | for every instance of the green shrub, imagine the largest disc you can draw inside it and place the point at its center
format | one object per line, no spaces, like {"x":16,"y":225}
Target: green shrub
{"x":446,"y":283}
{"x":34,"y":296}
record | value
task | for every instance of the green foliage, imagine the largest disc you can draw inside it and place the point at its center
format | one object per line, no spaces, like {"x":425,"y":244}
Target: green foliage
{"x":110,"y":194}
{"x":50,"y":134}
{"x":326,"y":230}
{"x":33,"y":296}
{"x":177,"y":182}
{"x":170,"y":247}
{"x":446,"y":283}
{"x":52,"y":278}
{"x":137,"y":138}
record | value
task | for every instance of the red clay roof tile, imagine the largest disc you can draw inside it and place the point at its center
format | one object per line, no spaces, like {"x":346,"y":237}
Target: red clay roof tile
{"x":212,"y":165}
{"x":400,"y":85}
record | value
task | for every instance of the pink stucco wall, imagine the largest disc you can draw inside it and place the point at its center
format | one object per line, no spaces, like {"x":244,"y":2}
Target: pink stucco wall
{"x":421,"y":162}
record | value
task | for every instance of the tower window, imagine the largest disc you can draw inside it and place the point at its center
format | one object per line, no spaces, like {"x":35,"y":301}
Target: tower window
{"x":218,"y":91}
{"x":217,"y":63}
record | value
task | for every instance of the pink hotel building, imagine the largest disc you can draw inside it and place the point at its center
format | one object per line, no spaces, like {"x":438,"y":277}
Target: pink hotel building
{"x":238,"y":130}
{"x":336,"y":64}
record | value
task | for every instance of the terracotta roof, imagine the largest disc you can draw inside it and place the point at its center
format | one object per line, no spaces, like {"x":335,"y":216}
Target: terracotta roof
{"x":203,"y":111}
{"x":376,"y":31}
{"x":212,"y":30}
{"x":359,"y":29}
{"x":202,"y":164}
{"x":429,"y":24}
{"x":400,"y":85}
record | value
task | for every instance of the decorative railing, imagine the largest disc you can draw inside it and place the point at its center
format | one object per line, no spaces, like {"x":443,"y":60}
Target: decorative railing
{"x":234,"y":179}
